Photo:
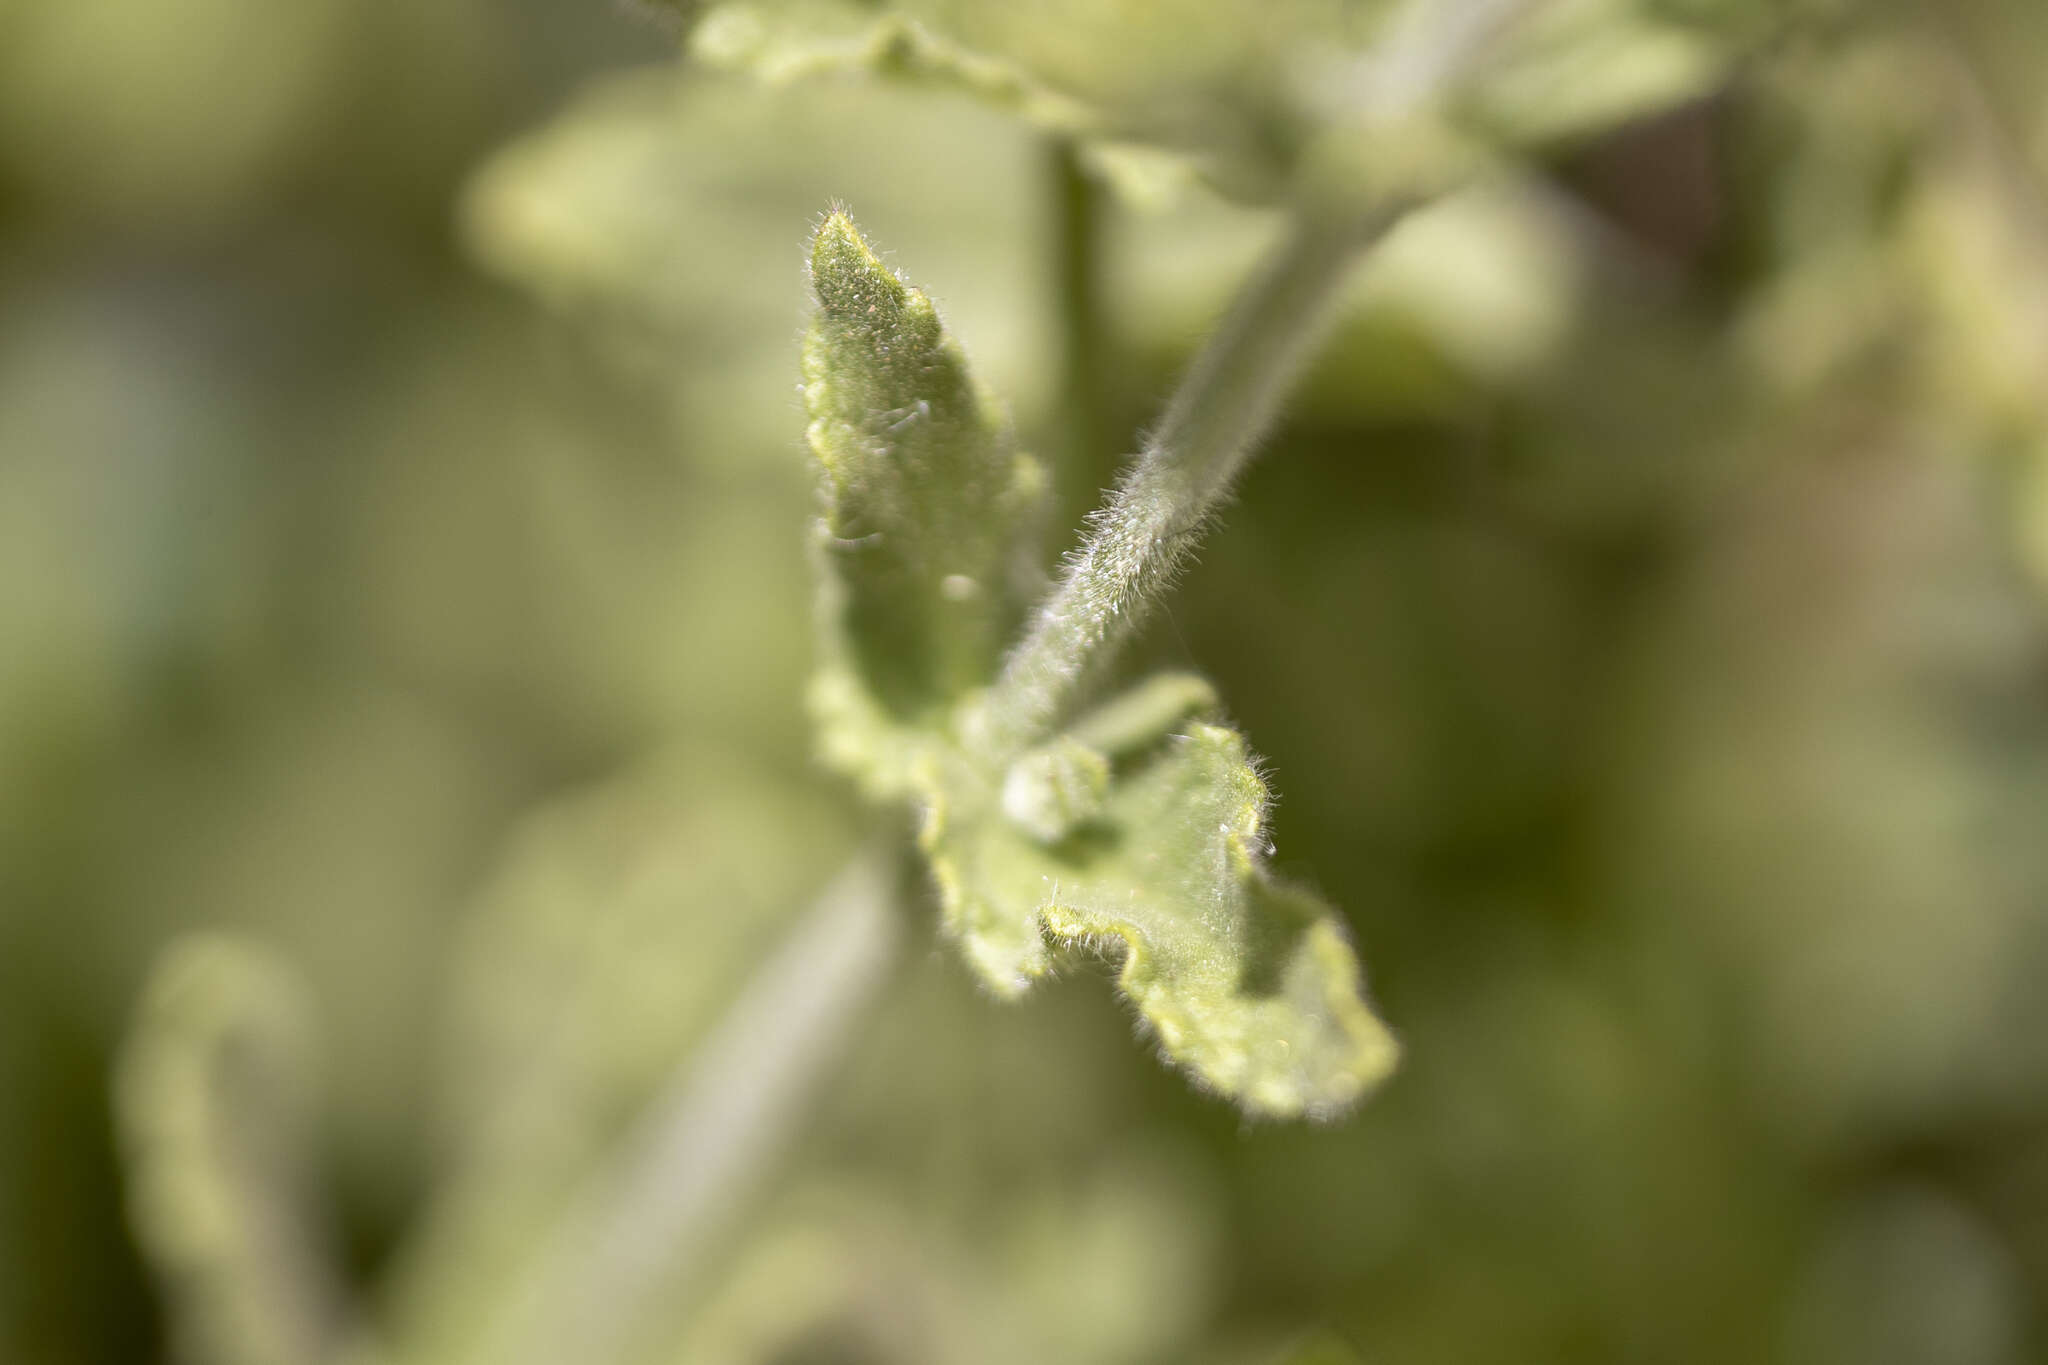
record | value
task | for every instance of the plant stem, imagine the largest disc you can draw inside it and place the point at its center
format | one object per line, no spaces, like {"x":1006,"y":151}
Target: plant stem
{"x":714,"y":1132}
{"x":1184,"y":471}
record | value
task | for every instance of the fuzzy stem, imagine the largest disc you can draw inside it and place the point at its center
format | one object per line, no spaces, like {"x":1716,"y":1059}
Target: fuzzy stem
{"x":1213,"y":423}
{"x":1234,"y":389}
{"x":711,"y":1136}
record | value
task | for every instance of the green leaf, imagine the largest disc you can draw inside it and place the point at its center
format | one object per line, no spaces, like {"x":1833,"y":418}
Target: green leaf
{"x":929,"y":513}
{"x":792,"y":43}
{"x":1252,"y":95}
{"x":1579,"y":67}
{"x":1138,"y":830}
{"x":213,"y":1098}
{"x":1245,"y":981}
{"x":1160,"y":95}
{"x":618,"y":927}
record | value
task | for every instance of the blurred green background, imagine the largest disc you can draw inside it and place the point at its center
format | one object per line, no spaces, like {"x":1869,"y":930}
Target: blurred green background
{"x":1643,"y":611}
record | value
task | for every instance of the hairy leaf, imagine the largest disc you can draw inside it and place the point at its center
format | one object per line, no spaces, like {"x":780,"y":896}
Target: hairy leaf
{"x":928,"y":515}
{"x":1140,"y":829}
{"x":1247,"y":982}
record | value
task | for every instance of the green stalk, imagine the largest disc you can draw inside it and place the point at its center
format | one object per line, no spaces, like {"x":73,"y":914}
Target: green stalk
{"x":708,"y":1141}
{"x":1210,"y":429}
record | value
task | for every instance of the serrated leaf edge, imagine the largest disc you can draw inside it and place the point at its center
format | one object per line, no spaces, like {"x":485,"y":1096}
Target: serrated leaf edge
{"x":1176,"y":1029}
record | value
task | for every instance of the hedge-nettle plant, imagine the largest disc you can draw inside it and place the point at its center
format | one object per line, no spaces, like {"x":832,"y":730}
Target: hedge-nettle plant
{"x":1056,"y":819}
{"x":1061,"y":811}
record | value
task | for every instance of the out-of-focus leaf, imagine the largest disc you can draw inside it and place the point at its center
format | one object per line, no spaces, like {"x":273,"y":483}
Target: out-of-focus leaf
{"x":1257,"y":96}
{"x":1197,"y":84}
{"x":1108,"y":1263}
{"x":659,"y":212}
{"x":213,"y":1098}
{"x":1906,"y":1274}
{"x":1575,"y":67}
{"x":620,"y":924}
{"x":793,"y":42}
{"x":615,"y":927}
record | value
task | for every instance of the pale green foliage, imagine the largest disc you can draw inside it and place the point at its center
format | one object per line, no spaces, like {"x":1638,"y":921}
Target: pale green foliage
{"x":1139,"y":831}
{"x":1270,"y":100}
{"x":794,"y":43}
{"x":1055,"y":788}
{"x":617,"y":926}
{"x":1580,"y":66}
{"x":617,"y":929}
{"x":834,"y":1260}
{"x":213,"y":1097}
{"x":1213,"y":92}
{"x":1246,"y":982}
{"x":1668,"y":647}
{"x":929,"y":510}
{"x":1064,"y":782}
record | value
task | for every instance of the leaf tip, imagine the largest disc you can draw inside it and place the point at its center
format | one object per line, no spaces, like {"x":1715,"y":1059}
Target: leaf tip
{"x":845,"y":271}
